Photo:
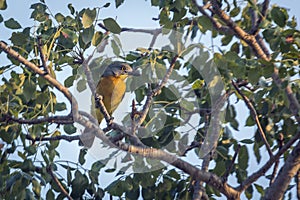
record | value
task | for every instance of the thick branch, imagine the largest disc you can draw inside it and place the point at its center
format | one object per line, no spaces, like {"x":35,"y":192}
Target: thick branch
{"x":190,"y":169}
{"x":214,"y":22}
{"x":260,"y":53}
{"x":285,"y":175}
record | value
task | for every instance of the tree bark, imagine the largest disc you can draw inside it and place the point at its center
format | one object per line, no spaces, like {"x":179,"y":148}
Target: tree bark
{"x":285,"y":175}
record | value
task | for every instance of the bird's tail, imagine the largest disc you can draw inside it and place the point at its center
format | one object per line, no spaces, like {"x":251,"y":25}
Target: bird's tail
{"x":87,"y":137}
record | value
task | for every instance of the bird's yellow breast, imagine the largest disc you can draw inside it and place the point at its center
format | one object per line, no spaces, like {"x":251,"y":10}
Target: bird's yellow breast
{"x":112,"y":89}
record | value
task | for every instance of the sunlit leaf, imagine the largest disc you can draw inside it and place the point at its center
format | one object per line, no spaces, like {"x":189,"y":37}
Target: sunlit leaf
{"x":3,"y":4}
{"x":88,"y":17}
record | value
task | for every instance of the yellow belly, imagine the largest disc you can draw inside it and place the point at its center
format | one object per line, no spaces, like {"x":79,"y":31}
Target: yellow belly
{"x":112,"y":90}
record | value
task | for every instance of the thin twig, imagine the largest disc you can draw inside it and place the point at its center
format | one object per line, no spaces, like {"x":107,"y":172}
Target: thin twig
{"x":192,"y":146}
{"x":99,"y":104}
{"x":43,"y":58}
{"x":58,"y":183}
{"x":68,"y":138}
{"x":68,"y":119}
{"x":255,"y":29}
{"x":65,"y":91}
{"x":252,"y":178}
{"x":255,"y":117}
{"x":280,"y":141}
{"x":298,"y":184}
{"x":228,"y":170}
{"x":88,"y":74}
{"x":155,"y":91}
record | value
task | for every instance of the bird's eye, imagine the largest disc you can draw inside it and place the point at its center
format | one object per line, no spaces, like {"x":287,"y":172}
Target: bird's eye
{"x":123,"y":68}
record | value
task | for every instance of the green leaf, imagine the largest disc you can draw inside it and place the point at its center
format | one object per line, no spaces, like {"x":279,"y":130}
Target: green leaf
{"x":1,"y":18}
{"x":29,"y":89}
{"x":243,"y":158}
{"x":97,"y":166}
{"x":220,"y":168}
{"x":54,"y":144}
{"x":88,"y":17}
{"x":253,"y":75}
{"x":36,"y":187}
{"x":59,"y":17}
{"x":50,"y":195}
{"x":97,"y":38}
{"x":259,"y":189}
{"x":81,"y":85}
{"x":234,"y":12}
{"x":39,"y":12}
{"x":19,"y":39}
{"x":106,"y":5}
{"x":70,"y":128}
{"x":87,"y":34}
{"x":280,"y":16}
{"x":69,"y":81}
{"x":247,"y":141}
{"x":81,"y":158}
{"x":115,"y":48}
{"x":226,"y":39}
{"x":118,"y":2}
{"x":79,"y":184}
{"x":60,"y":106}
{"x":187,"y":106}
{"x":12,"y":24}
{"x":71,"y":8}
{"x":3,"y":4}
{"x":112,"y":25}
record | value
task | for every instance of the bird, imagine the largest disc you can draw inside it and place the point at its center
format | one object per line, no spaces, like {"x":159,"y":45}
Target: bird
{"x":111,"y":87}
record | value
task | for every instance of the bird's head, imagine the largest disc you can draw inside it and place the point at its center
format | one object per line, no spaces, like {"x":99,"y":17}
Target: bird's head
{"x":119,"y":69}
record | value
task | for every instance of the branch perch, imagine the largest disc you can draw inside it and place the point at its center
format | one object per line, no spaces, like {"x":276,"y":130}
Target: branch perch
{"x":255,"y":117}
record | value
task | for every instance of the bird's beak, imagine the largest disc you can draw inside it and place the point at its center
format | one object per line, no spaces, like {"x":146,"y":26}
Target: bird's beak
{"x":134,"y":73}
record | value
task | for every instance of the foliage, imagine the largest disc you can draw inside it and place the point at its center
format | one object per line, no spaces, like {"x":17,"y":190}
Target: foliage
{"x":30,"y":167}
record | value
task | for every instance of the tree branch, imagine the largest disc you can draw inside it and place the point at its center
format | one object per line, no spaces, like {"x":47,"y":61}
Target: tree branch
{"x":255,"y":117}
{"x":190,"y":169}
{"x":68,"y":119}
{"x":246,"y":183}
{"x":58,"y":183}
{"x":255,"y":28}
{"x":215,"y":23}
{"x":155,"y":91}
{"x":37,"y":70}
{"x":228,"y":170}
{"x":285,"y":175}
{"x":43,"y":59}
{"x":68,"y":138}
{"x":280,"y":142}
{"x":260,"y":53}
{"x":298,"y":184}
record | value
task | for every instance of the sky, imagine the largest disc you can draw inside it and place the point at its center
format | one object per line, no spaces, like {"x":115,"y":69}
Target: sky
{"x":133,"y":13}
